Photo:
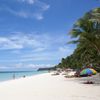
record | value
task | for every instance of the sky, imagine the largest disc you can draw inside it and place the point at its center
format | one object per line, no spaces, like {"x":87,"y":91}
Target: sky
{"x":34,"y":33}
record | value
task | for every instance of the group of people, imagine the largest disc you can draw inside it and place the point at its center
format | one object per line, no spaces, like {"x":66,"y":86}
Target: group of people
{"x":15,"y":76}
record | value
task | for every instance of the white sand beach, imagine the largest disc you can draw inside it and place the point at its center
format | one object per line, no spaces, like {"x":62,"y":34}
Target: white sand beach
{"x":48,"y":87}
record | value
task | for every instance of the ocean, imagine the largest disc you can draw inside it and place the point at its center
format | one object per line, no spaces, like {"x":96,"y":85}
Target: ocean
{"x":4,"y":76}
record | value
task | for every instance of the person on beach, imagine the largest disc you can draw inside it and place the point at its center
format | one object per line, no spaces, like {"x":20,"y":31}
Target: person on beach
{"x":24,"y":76}
{"x":13,"y":76}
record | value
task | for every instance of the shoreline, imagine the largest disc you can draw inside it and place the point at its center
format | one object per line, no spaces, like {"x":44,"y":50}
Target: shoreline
{"x":47,"y":87}
{"x":7,"y":76}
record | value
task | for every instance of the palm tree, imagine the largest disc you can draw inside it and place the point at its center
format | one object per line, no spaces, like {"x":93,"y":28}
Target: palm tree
{"x":86,"y":53}
{"x":87,"y":31}
{"x":95,"y":15}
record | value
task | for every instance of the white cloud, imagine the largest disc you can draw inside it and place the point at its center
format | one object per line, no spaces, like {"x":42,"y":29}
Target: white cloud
{"x":16,"y":51}
{"x":23,"y":66}
{"x":3,"y":67}
{"x":30,"y":1}
{"x":35,"y":42}
{"x":38,"y":16}
{"x":6,"y":43}
{"x":62,"y":49}
{"x":40,"y":48}
{"x":21,"y":14}
{"x":66,"y":49}
{"x":39,"y":65}
{"x":19,"y":65}
{"x":48,"y":56}
{"x":27,"y":14}
{"x":27,"y":1}
{"x":30,"y":9}
{"x":46,"y":7}
{"x":17,"y":42}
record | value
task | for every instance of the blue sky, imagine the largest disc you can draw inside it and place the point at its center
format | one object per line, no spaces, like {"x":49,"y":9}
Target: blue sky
{"x":34,"y":33}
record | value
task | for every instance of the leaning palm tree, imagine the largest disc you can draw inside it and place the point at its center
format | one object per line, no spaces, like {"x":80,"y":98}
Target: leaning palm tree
{"x":86,"y":52}
{"x":88,"y":31}
{"x":95,"y":15}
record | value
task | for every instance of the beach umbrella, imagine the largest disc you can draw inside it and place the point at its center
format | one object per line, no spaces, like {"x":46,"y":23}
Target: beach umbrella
{"x":88,"y":71}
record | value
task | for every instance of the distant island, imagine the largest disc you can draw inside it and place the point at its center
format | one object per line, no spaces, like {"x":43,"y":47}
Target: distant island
{"x":46,"y":69}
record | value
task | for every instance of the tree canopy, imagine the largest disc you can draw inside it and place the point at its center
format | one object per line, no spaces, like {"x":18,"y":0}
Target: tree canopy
{"x":87,"y":32}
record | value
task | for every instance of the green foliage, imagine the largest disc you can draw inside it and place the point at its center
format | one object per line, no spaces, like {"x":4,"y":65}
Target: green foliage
{"x":86,"y":32}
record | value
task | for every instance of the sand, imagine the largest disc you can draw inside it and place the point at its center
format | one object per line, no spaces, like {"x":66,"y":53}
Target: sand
{"x":48,"y":87}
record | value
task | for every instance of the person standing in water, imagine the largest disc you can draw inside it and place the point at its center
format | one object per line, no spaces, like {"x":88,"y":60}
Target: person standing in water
{"x":14,"y":76}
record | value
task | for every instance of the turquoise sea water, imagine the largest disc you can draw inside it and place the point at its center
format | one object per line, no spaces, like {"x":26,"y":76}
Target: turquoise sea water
{"x":4,"y":76}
